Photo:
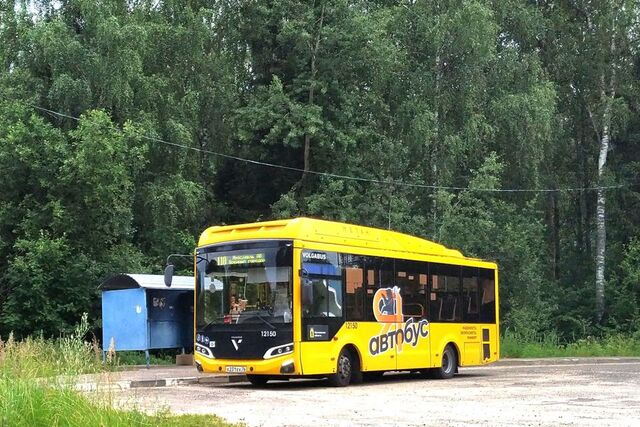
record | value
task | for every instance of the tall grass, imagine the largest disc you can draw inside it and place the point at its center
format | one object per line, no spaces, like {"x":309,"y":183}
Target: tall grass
{"x":41,"y":358}
{"x":36,"y":378}
{"x":549,"y":345}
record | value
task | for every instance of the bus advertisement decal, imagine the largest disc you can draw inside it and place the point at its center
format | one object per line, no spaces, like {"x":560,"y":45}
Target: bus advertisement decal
{"x":387,"y":309}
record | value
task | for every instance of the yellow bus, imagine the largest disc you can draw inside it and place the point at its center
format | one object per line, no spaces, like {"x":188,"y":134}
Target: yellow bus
{"x":311,"y":298}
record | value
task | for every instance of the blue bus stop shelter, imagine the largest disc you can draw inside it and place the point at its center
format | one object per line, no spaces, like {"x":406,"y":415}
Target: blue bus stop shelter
{"x":140,"y":313}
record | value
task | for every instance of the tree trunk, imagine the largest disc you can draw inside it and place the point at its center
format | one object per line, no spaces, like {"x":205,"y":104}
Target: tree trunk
{"x":608,"y":95}
{"x":601,"y":230}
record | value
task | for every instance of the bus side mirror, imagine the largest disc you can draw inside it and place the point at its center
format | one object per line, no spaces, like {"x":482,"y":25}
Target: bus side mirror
{"x":168,"y":275}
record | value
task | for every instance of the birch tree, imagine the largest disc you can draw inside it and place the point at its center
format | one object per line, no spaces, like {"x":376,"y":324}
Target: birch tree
{"x":591,"y":54}
{"x":608,"y":27}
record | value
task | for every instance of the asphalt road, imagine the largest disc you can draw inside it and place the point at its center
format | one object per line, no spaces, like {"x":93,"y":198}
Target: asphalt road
{"x":535,"y":392}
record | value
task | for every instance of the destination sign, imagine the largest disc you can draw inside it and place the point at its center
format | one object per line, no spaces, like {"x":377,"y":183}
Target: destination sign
{"x":258,"y":258}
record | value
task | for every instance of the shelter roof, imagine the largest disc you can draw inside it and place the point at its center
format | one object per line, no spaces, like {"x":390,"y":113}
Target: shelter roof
{"x":147,"y":281}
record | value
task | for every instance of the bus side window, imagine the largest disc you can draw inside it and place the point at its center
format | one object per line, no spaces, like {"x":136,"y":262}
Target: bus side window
{"x":321,"y":285}
{"x":353,"y":272}
{"x":488,"y":296}
{"x":354,"y":280}
{"x":445,"y":304}
{"x":411,"y":278}
{"x":470,"y":295}
{"x":379,"y":273}
{"x":323,"y":298}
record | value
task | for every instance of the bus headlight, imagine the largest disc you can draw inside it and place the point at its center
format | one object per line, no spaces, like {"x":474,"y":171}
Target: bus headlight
{"x":200,"y":349}
{"x":280,"y":350}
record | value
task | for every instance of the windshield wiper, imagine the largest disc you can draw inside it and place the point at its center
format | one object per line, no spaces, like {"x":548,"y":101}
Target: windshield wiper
{"x":248,"y":315}
{"x":259,"y":316}
{"x":209,"y":324}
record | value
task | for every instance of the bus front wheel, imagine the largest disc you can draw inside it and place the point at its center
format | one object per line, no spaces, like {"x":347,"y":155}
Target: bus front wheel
{"x":344,"y":370}
{"x":449,"y":364}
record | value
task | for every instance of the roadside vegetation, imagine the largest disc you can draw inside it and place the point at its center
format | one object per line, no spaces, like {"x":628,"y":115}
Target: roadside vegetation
{"x":128,"y":358}
{"x":499,"y":128}
{"x":36,"y":387}
{"x":518,"y":346}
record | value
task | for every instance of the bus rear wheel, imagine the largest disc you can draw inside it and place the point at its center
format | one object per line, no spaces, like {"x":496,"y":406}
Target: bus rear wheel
{"x":344,"y":370}
{"x":258,"y":380}
{"x":449,"y":364}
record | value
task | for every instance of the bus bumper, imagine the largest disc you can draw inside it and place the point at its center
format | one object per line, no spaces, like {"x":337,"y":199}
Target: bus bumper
{"x":282,"y":365}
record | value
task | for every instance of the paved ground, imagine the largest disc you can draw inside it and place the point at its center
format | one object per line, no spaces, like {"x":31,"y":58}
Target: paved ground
{"x":603,"y":391}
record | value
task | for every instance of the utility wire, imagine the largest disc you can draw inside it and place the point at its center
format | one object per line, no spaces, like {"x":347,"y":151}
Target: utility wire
{"x":354,"y":178}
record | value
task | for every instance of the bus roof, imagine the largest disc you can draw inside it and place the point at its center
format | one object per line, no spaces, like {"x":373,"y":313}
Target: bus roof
{"x":329,"y":232}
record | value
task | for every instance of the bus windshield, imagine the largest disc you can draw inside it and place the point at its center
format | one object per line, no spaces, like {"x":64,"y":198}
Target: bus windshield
{"x":244,"y":284}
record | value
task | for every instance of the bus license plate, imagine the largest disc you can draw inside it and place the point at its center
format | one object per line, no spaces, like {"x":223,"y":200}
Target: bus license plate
{"x":236,"y":369}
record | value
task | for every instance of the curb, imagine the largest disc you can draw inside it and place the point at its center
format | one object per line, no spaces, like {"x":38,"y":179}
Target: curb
{"x":213,"y":379}
{"x":161,"y":382}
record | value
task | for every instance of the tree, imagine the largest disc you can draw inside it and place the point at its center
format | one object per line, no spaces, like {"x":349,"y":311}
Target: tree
{"x":594,"y":66}
{"x":436,"y":110}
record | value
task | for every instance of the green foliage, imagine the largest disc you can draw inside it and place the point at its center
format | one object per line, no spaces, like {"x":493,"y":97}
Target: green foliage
{"x":123,"y":358}
{"x":36,"y":279}
{"x":407,"y":96}
{"x":625,"y":297}
{"x":101,"y":170}
{"x":514,"y":345}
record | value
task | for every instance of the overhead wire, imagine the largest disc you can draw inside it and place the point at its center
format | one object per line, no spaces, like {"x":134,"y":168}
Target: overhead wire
{"x":350,"y":177}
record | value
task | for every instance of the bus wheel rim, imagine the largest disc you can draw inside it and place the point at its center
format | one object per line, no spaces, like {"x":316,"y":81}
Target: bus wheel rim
{"x":446,"y":361}
{"x":345,"y":367}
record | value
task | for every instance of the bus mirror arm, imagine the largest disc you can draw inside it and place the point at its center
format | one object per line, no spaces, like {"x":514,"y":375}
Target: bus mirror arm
{"x":169,"y":269}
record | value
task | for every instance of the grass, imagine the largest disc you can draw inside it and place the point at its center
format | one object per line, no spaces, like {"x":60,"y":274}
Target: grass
{"x":25,"y":402}
{"x":514,"y":345}
{"x":138,"y":358}
{"x":31,"y":393}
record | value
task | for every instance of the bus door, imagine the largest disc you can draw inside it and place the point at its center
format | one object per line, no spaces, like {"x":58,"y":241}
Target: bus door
{"x":322,"y":310}
{"x":412,"y":328}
